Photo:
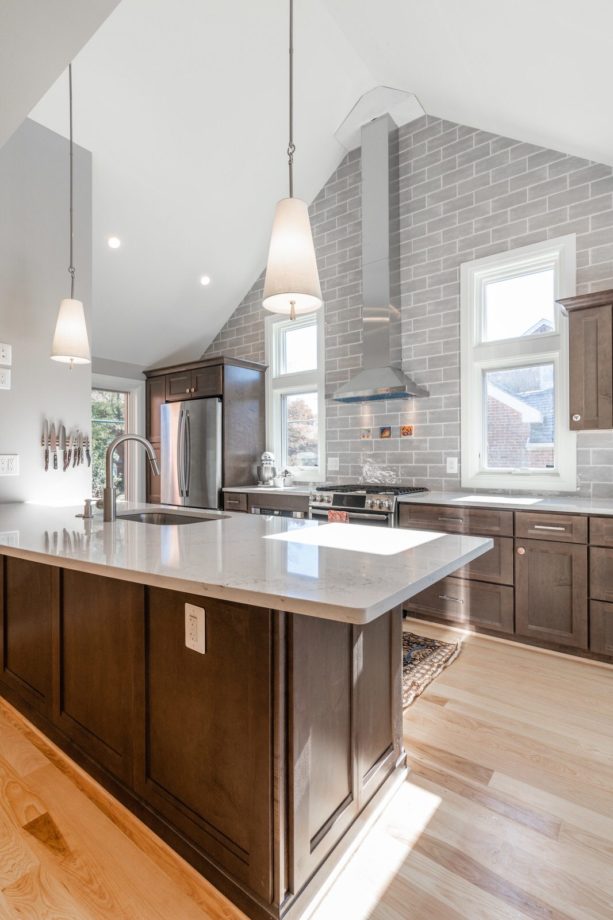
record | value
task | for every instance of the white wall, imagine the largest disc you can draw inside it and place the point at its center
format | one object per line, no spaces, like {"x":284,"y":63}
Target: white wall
{"x":33,"y":279}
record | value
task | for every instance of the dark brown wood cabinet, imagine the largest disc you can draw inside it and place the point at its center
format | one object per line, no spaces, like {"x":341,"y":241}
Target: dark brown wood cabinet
{"x":97,"y":653}
{"x":217,"y":799}
{"x":591,"y":359}
{"x":255,"y":760}
{"x":29,"y":593}
{"x":468,"y":603}
{"x":601,"y":628}
{"x":156,"y":396}
{"x":551,"y":592}
{"x":240,"y":384}
{"x":485,"y":522}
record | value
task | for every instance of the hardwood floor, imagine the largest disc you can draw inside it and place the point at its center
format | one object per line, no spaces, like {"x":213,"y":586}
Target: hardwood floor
{"x":507,"y":812}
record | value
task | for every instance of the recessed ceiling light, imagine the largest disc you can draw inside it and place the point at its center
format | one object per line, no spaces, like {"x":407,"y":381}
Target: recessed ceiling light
{"x":114,"y":242}
{"x":204,"y":280}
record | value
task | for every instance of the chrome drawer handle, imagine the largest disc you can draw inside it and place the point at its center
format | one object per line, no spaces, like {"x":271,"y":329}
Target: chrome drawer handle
{"x":548,"y":527}
{"x":452,"y":520}
{"x":232,"y":501}
{"x":448,"y":597}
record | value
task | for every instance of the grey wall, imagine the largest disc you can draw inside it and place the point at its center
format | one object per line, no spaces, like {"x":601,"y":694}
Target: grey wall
{"x":464,"y":194}
{"x":33,"y":280}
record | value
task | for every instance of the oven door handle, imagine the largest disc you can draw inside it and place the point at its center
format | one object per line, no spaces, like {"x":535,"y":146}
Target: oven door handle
{"x":352,"y":514}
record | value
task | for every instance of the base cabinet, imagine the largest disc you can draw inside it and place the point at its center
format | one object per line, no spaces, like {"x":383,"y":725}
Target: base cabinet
{"x":255,"y":760}
{"x":29,"y":591}
{"x":601,"y":628}
{"x":551,"y":592}
{"x":198,"y":711}
{"x":470,"y":603}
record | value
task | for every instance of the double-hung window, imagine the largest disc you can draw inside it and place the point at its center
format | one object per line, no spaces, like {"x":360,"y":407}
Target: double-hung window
{"x":295,"y":394}
{"x":515,"y":432}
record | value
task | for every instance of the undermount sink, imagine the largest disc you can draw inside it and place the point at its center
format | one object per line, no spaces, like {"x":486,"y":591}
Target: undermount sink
{"x":162,"y":518}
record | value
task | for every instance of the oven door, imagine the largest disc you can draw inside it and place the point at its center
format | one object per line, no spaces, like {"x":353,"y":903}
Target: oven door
{"x":379,"y":518}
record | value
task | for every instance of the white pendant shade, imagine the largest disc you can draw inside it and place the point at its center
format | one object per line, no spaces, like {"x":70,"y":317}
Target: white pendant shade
{"x":70,"y":342}
{"x":291,"y":272}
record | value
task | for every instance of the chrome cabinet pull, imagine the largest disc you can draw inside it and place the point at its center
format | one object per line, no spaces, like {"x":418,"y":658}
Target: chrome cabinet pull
{"x":232,"y":501}
{"x":576,"y":417}
{"x":521,"y":551}
{"x":548,"y":527}
{"x":452,"y":520}
{"x":448,"y":597}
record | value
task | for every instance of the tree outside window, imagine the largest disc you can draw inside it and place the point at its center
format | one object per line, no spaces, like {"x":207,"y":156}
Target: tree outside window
{"x":109,"y":419}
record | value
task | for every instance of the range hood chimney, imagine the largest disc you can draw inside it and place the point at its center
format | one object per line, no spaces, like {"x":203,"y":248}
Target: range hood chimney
{"x":380,"y":378}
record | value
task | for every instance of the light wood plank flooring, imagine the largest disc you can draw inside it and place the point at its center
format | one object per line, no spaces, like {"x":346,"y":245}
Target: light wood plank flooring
{"x":507,"y":812}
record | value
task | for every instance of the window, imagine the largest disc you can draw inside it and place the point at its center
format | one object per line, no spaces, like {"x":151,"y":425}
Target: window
{"x":295,"y":395}
{"x":109,"y":419}
{"x":515,"y":431}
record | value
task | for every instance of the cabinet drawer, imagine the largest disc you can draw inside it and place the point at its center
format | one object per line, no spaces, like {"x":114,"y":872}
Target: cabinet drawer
{"x":485,"y":521}
{"x":601,"y":574}
{"x":601,"y":531}
{"x":566,"y":528}
{"x":235,"y":501}
{"x":495,"y":566}
{"x":279,"y":502}
{"x":601,"y":628}
{"x":470,"y":602}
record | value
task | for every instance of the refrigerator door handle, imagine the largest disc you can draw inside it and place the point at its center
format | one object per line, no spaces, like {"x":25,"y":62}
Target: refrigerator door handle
{"x":180,"y":454}
{"x":188,"y":453}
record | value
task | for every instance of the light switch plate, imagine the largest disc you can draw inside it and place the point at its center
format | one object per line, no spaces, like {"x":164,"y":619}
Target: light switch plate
{"x":195,"y":628}
{"x":452,"y":464}
{"x":5,"y":378}
{"x":9,"y":464}
{"x":6,"y":353}
{"x":333,"y":464}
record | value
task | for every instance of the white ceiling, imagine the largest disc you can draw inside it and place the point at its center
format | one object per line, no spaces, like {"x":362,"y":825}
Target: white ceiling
{"x":183,"y":104}
{"x":37,"y":40}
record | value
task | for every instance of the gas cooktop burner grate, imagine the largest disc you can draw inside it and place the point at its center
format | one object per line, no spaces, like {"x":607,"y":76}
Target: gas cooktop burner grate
{"x":373,"y":489}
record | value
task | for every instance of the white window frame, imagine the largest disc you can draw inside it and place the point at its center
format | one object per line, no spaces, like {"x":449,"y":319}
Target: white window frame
{"x":478,"y":356}
{"x":135,"y":480}
{"x":280,"y":384}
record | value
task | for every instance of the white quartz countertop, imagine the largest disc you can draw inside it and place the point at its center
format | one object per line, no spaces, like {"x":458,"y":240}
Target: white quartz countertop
{"x":347,"y":572}
{"x":565,"y":504}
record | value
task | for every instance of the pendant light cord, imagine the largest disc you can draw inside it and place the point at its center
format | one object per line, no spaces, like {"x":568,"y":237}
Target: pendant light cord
{"x":291,"y":149}
{"x":71,"y":268}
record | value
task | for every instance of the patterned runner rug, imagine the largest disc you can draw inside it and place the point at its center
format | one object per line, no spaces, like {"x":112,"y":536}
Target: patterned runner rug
{"x":422,"y":661}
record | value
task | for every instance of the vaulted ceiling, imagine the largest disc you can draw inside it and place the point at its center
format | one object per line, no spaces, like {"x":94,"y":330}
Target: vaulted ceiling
{"x":183,"y":104}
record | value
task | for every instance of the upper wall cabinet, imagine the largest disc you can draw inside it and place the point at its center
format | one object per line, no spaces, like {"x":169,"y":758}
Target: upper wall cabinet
{"x":591,"y":359}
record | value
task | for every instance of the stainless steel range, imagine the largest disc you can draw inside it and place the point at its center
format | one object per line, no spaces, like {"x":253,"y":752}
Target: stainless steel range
{"x":364,"y":504}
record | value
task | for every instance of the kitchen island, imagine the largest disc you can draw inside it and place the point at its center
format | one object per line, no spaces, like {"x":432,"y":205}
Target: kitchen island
{"x":259,"y":757}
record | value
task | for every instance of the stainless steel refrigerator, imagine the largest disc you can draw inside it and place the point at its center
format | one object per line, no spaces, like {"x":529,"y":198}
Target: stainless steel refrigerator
{"x":191,"y":449}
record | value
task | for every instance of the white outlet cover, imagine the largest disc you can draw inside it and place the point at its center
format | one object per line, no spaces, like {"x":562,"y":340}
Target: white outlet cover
{"x":9,"y":464}
{"x":5,"y":378}
{"x":6,"y":353}
{"x":452,"y":464}
{"x":195,"y":628}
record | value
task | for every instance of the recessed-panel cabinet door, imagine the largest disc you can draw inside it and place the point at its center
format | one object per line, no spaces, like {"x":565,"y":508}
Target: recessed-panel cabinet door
{"x":591,"y":368}
{"x":551,"y":592}
{"x":30,"y":593}
{"x":100,"y":635}
{"x":207,"y":759}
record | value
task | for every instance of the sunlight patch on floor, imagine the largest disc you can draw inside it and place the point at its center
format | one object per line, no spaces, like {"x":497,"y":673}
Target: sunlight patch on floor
{"x":370,"y":871}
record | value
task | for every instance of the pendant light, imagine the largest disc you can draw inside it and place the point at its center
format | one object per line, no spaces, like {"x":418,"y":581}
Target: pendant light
{"x":292,"y":281}
{"x":70,"y":342}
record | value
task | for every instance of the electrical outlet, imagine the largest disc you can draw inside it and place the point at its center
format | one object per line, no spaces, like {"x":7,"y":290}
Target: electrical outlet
{"x":452,"y":464}
{"x":6,"y":353}
{"x":5,"y":378}
{"x":195,"y":628}
{"x":333,"y":464}
{"x":9,"y":464}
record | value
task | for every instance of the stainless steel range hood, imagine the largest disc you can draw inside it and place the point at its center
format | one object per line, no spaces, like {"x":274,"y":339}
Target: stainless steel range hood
{"x":380,"y":378}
